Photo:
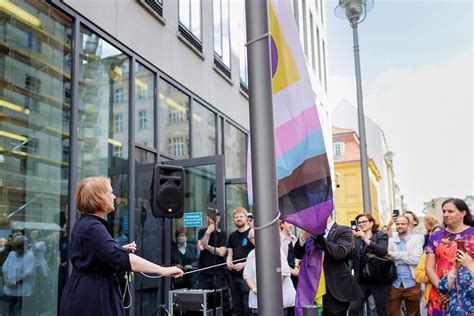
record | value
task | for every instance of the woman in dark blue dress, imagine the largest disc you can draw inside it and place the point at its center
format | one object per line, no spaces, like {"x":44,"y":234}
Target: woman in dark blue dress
{"x":92,"y":288}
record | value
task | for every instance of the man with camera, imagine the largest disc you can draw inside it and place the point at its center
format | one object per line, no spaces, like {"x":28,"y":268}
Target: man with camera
{"x":212,"y":243}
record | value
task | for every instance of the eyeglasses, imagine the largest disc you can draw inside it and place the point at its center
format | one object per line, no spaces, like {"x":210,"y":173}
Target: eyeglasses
{"x":363,"y":222}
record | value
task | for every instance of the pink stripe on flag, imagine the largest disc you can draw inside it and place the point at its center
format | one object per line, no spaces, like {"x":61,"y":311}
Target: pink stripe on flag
{"x":295,"y":130}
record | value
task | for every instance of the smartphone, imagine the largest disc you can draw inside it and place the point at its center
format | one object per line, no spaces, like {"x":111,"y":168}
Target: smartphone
{"x":354,"y":225}
{"x":461,"y":245}
{"x":396,"y":212}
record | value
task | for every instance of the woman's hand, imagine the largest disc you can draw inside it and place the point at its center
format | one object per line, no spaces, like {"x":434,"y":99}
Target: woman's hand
{"x":172,"y":272}
{"x":464,"y":260}
{"x":444,"y":299}
{"x":304,"y":235}
{"x":131,"y":247}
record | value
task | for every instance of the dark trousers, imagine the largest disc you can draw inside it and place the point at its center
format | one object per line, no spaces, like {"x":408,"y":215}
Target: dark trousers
{"x":332,"y":306}
{"x":239,"y":291}
{"x":218,"y":281}
{"x":381,"y":295}
{"x":411,"y":296}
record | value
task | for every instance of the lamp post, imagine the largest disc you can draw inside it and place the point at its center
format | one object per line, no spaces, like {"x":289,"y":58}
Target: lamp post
{"x":353,"y":10}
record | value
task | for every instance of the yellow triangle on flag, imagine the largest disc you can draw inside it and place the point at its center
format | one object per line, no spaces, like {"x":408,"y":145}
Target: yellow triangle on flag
{"x":284,"y":70}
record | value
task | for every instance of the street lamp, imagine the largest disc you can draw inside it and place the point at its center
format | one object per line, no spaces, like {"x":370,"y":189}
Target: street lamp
{"x":353,"y":10}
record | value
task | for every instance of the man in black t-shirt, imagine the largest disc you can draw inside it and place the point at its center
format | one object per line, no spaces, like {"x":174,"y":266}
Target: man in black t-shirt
{"x":239,"y":247}
{"x":212,"y":242}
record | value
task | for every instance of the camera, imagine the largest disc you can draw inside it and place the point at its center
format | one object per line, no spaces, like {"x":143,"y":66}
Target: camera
{"x":354,"y":225}
{"x":461,"y":245}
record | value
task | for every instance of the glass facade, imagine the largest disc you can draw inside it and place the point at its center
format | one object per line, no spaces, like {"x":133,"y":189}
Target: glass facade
{"x":144,"y":106}
{"x":174,"y":123}
{"x":190,"y":16}
{"x":203,"y":129}
{"x":103,"y":122}
{"x":235,"y":147}
{"x":58,"y":126}
{"x":35,"y":111}
{"x":221,"y":31}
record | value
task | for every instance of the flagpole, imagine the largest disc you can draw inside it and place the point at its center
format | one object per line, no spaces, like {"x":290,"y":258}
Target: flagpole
{"x":270,"y":300}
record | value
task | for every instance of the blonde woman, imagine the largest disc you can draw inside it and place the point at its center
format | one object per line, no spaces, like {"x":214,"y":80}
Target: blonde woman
{"x":420,"y":272}
{"x":92,"y":288}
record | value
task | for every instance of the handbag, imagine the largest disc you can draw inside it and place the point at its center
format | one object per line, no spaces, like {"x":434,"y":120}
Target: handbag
{"x":379,"y":270}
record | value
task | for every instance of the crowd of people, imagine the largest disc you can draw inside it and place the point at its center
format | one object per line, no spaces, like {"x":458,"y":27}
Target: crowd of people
{"x":392,"y":272}
{"x":27,"y":263}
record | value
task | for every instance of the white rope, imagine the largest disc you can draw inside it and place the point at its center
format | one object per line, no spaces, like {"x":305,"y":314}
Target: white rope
{"x":197,"y":270}
{"x":273,"y":221}
{"x":257,"y":39}
{"x":128,"y":279}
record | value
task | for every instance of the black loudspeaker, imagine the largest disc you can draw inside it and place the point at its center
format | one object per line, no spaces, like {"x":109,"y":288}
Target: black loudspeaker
{"x":167,"y":191}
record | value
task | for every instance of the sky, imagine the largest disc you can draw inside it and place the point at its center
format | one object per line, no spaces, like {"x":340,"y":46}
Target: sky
{"x":417,"y":78}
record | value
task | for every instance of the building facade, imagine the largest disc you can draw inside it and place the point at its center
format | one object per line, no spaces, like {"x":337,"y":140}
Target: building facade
{"x":389,"y":197}
{"x":348,"y":193}
{"x":112,"y":88}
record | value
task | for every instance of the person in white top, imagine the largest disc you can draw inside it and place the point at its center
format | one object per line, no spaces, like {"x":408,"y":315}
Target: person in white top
{"x":250,"y":276}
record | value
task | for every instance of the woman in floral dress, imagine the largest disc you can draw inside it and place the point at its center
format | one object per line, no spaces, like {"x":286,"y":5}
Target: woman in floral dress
{"x":441,"y":250}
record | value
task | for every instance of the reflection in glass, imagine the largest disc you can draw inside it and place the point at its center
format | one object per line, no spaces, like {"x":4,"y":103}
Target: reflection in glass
{"x":221,"y":30}
{"x":174,"y":124}
{"x":199,"y":185}
{"x":147,"y":232}
{"x":103,"y":122}
{"x":235,"y":196}
{"x":190,"y":16}
{"x":145,"y":114}
{"x":35,"y":103}
{"x":235,"y":142}
{"x":199,"y":189}
{"x":243,"y":50}
{"x":203,"y":131}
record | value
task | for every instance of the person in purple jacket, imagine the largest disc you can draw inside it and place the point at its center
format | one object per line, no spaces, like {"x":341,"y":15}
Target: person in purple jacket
{"x":92,"y":288}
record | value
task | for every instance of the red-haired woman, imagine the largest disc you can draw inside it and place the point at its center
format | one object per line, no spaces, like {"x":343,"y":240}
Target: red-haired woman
{"x":92,"y":288}
{"x":368,"y":239}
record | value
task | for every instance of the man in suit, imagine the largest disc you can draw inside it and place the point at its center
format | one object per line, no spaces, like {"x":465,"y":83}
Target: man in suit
{"x":341,"y":287}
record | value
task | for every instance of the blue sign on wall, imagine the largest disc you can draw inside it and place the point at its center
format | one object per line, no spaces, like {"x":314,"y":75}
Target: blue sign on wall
{"x":192,"y":219}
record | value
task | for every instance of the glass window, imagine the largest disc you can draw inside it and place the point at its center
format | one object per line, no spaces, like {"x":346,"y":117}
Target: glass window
{"x":35,"y":89}
{"x":156,"y":5}
{"x":174,"y":124}
{"x":142,"y":119}
{"x":313,"y":54}
{"x":243,"y":50}
{"x":235,"y":152}
{"x":318,"y":41}
{"x":221,"y":31}
{"x":103,"y":122}
{"x":190,"y":16}
{"x":144,"y":105}
{"x":235,"y":196}
{"x":119,"y":95}
{"x":118,"y":122}
{"x":324,"y":65}
{"x":203,"y":131}
{"x":296,"y":13}
{"x":305,"y":29}
{"x":338,"y":149}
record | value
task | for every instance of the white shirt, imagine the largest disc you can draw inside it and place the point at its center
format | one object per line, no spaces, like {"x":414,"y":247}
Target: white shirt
{"x":289,"y":292}
{"x":328,"y":229}
{"x":15,"y":267}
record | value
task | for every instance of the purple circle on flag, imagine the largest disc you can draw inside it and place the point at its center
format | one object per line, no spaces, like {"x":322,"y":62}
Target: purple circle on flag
{"x":274,"y":55}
